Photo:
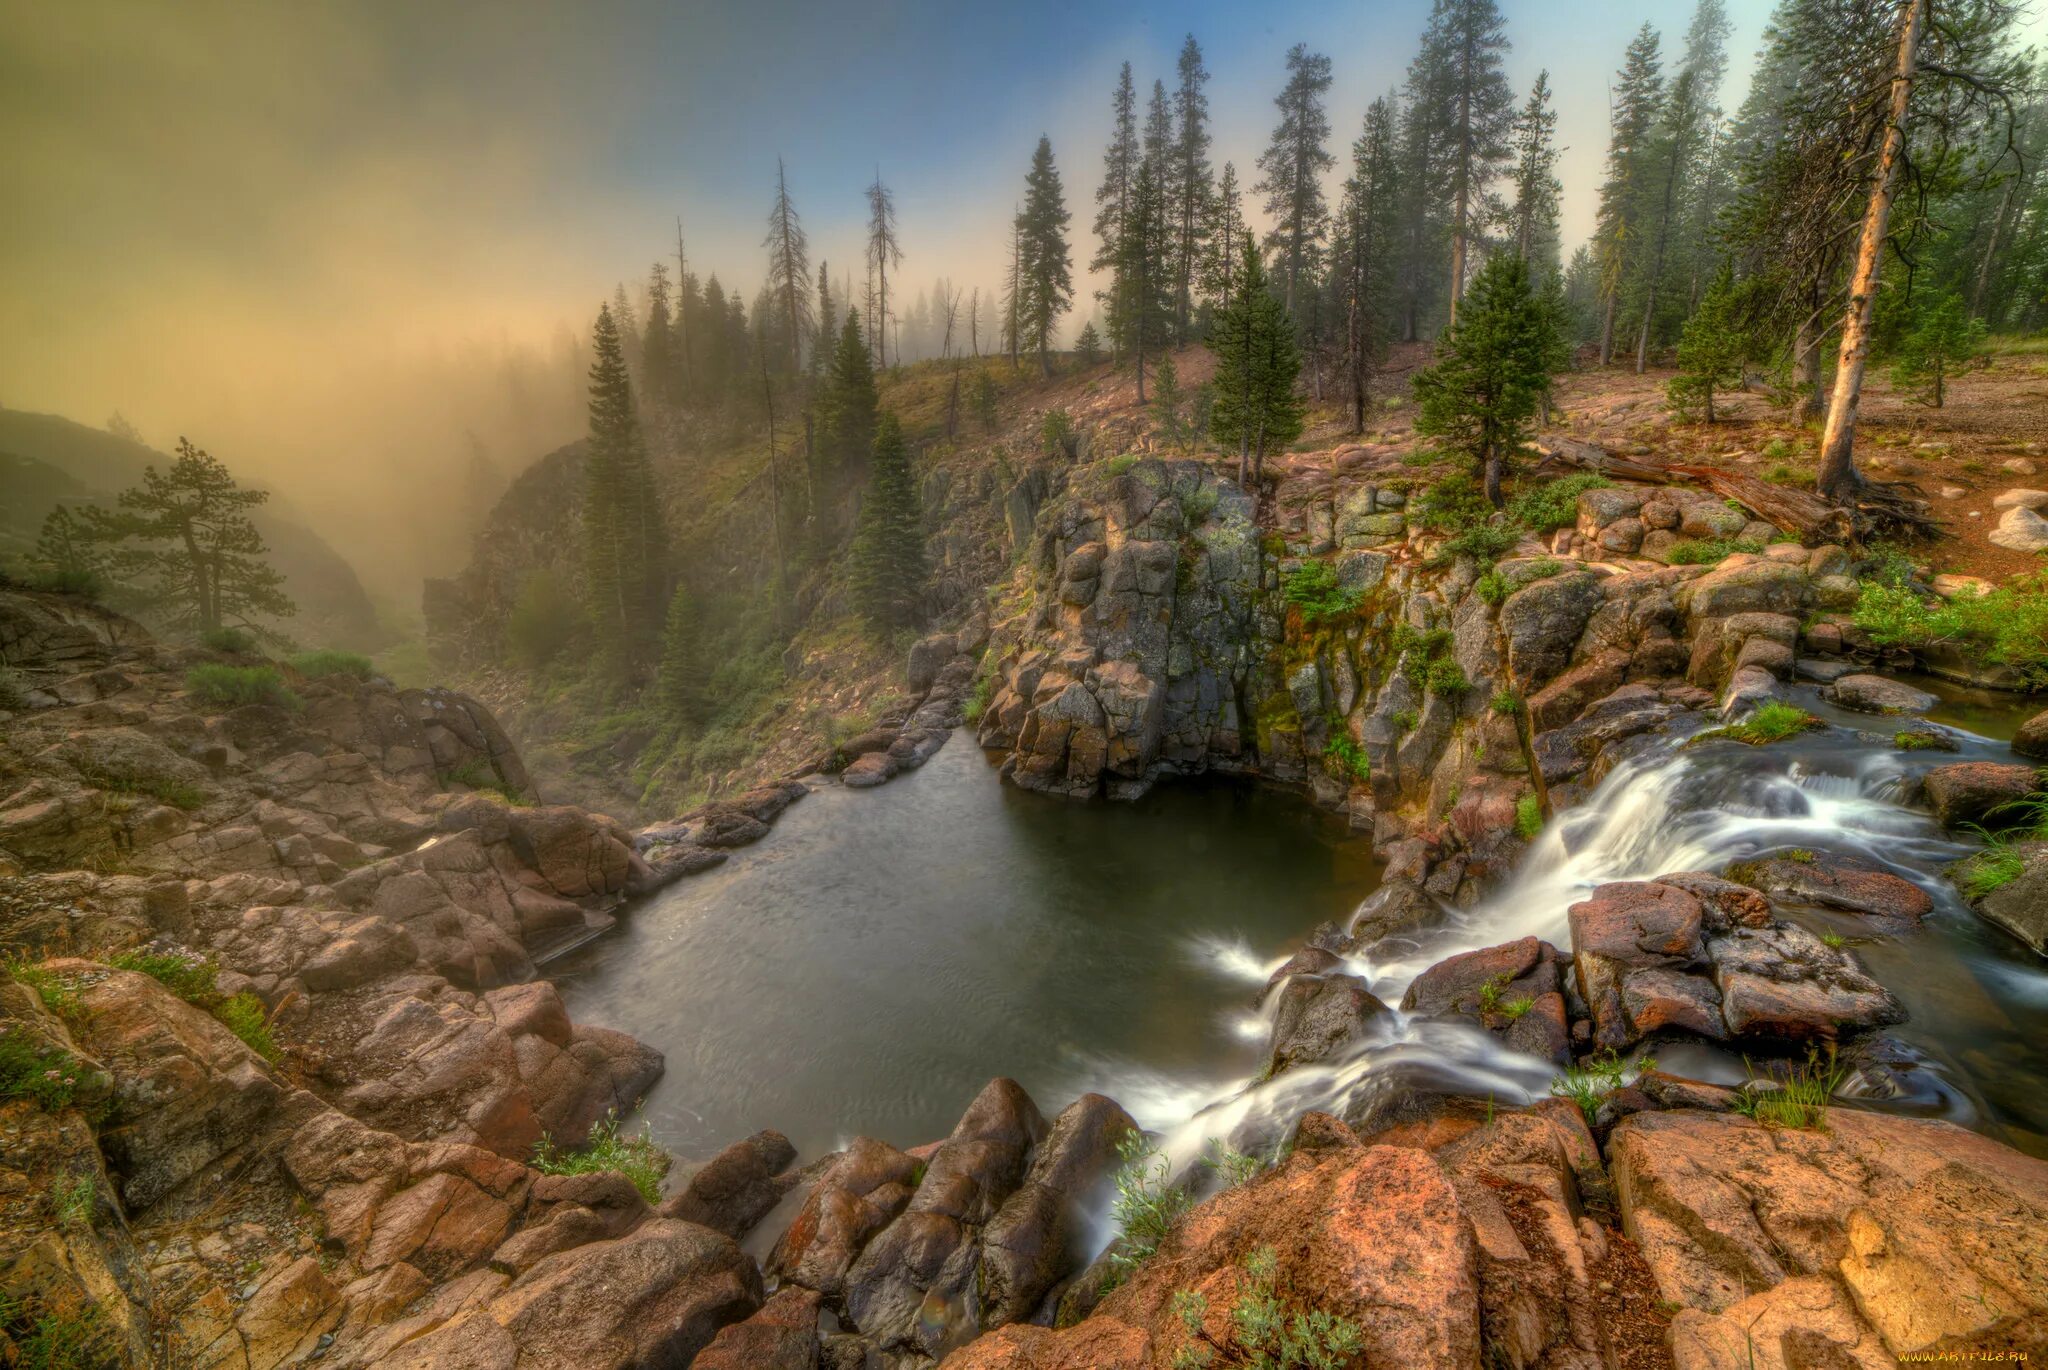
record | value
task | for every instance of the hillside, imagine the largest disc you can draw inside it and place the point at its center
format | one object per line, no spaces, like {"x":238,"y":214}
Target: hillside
{"x":46,"y":460}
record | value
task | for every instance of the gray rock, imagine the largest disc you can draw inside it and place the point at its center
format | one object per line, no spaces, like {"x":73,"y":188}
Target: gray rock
{"x":1875,"y":694}
{"x":1318,"y":1016}
{"x":2021,"y":530}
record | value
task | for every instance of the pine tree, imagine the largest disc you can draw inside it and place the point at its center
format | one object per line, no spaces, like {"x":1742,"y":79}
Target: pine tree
{"x":845,"y":433}
{"x":789,"y":273}
{"x":1533,"y":217}
{"x":1476,"y":105}
{"x":1944,"y":338}
{"x":1638,"y":97}
{"x":1045,"y":263}
{"x":1257,"y":365}
{"x":883,"y":252}
{"x":1679,"y":143}
{"x":1712,"y":350}
{"x":1189,"y":189}
{"x":624,"y":543}
{"x":629,"y":331}
{"x":657,"y":356}
{"x":1422,"y":223}
{"x":70,"y":559}
{"x":1491,"y":371}
{"x":1169,"y":404}
{"x":1225,"y":233}
{"x":1367,"y":229}
{"x":1113,"y":197}
{"x":685,"y":679}
{"x":1294,"y":163}
{"x":1141,"y":316}
{"x":1088,"y":345}
{"x":888,"y":544}
{"x":828,"y":323}
{"x":183,"y":543}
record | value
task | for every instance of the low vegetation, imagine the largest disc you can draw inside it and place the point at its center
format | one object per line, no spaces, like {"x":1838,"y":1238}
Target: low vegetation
{"x":50,"y":1331}
{"x":1345,"y":759}
{"x":1709,"y":551}
{"x":232,"y":687}
{"x":49,"y":1075}
{"x":1772,"y":721}
{"x":163,"y":788}
{"x":1547,"y":508}
{"x":1792,"y":1096}
{"x":637,"y":1157}
{"x":193,"y":979}
{"x":58,"y":993}
{"x":1265,"y":1330}
{"x":2006,"y":627}
{"x":1528,"y":817}
{"x":1588,"y":1083}
{"x":1146,"y":1206}
{"x":1314,"y":589}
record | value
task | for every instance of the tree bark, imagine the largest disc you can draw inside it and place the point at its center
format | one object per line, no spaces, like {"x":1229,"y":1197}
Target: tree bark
{"x":1806,"y":369}
{"x":1839,"y":479}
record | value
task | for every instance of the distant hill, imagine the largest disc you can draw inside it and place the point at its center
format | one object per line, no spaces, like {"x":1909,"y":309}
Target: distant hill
{"x":46,"y":460}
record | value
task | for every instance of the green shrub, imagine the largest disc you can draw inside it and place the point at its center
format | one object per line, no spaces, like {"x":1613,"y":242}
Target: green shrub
{"x":1506,"y":702}
{"x":1800,"y":1096}
{"x":1312,"y":587}
{"x":1056,"y":433}
{"x":1146,"y":1206}
{"x":59,"y":994}
{"x":315,"y":665}
{"x":1543,"y":568}
{"x":1593,"y":1079}
{"x":1264,"y":1332}
{"x":636,"y":1157}
{"x":1548,"y":508}
{"x":1405,"y":720}
{"x":1345,"y":759}
{"x":1710,"y":551}
{"x":2007,"y":627}
{"x":1485,"y":543}
{"x":244,"y":1015}
{"x":231,"y":687}
{"x":1528,"y":817}
{"x":1453,"y":504}
{"x":1445,"y":677}
{"x":1197,"y":504}
{"x":49,"y":1075}
{"x":189,"y":977}
{"x":978,"y":702}
{"x":238,"y":640}
{"x":1492,"y":587}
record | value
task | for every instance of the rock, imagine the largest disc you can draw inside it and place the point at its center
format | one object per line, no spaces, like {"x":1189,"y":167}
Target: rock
{"x":1317,"y":1016}
{"x":1724,"y":904}
{"x":1034,"y":1240}
{"x":1635,"y":947}
{"x":2017,"y":498}
{"x":1512,"y":990}
{"x":1785,"y":983}
{"x":1747,"y":585}
{"x":1930,"y":1230}
{"x":655,"y":1297}
{"x":1965,"y":792}
{"x":735,"y":1189}
{"x":1376,"y":1235}
{"x":1835,"y":882}
{"x":2021,"y":530}
{"x":1874,"y":694}
{"x":857,"y":1195}
{"x":2032,"y":737}
{"x":783,"y":1335}
{"x":873,"y":769}
{"x":927,"y":656}
{"x":1309,"y":960}
{"x":1397,"y":906}
{"x":1541,"y":623}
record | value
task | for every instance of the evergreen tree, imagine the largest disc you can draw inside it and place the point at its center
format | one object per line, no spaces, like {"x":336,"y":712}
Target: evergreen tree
{"x":789,"y":274}
{"x":1294,"y":163}
{"x":828,"y":323}
{"x":1141,"y":316}
{"x":1045,"y":264}
{"x":1113,"y":197}
{"x":1944,"y":338}
{"x":1189,"y":189}
{"x":624,"y":543}
{"x":888,"y":544}
{"x":845,"y":425}
{"x":883,"y":252}
{"x":657,"y":355}
{"x":1257,"y":364}
{"x":1638,"y":97}
{"x":1088,"y":346}
{"x":70,"y":558}
{"x":1465,"y":42}
{"x":1422,"y":224}
{"x":1491,"y":371}
{"x":1367,"y":230}
{"x":685,"y":679}
{"x":1169,"y":403}
{"x":182,"y":541}
{"x":629,"y":331}
{"x":714,"y":365}
{"x":1533,"y":216}
{"x":1225,"y":233}
{"x":1712,"y":350}
{"x":985,"y":399}
{"x":1679,"y":145}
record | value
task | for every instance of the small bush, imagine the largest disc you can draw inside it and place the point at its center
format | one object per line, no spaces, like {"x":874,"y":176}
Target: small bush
{"x":189,"y":977}
{"x":1493,"y":588}
{"x":231,"y":687}
{"x":1548,"y":508}
{"x":2007,"y":627}
{"x":1453,"y":504}
{"x":1445,"y":677}
{"x":1265,"y":1331}
{"x":978,"y":702}
{"x":1146,"y":1206}
{"x":1196,"y":505}
{"x":1593,"y":1079}
{"x":237,"y":640}
{"x":1485,"y":543}
{"x":315,"y":665}
{"x":1405,"y":720}
{"x":637,"y":1157}
{"x":1344,"y":759}
{"x":1506,"y":702}
{"x":1056,"y":433}
{"x":1312,"y":588}
{"x":244,"y":1015}
{"x":1528,"y":817}
{"x":49,"y":1075}
{"x":1710,"y":551}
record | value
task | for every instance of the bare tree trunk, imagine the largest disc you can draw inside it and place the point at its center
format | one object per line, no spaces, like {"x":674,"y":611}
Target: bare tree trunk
{"x":1607,"y":330}
{"x":1839,"y":479}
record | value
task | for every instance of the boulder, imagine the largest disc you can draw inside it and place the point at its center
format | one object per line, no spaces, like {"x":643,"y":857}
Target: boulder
{"x":1816,"y":1243}
{"x":1397,"y":906}
{"x":1541,"y":623}
{"x":1037,"y":1238}
{"x":735,"y":1189}
{"x":1783,"y":982}
{"x":783,"y":1335}
{"x":2021,"y":530}
{"x":1635,"y":950}
{"x":2021,"y":905}
{"x":1874,"y":694}
{"x":1317,"y":1017}
{"x":1965,"y":792}
{"x":1512,"y":990}
{"x":1835,"y":882}
{"x":2032,"y":737}
{"x":860,"y":1192}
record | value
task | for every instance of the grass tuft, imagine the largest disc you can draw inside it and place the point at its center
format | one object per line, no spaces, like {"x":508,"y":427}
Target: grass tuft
{"x":231,"y":687}
{"x":638,"y":1158}
{"x":1794,"y":1096}
{"x":1772,"y":721}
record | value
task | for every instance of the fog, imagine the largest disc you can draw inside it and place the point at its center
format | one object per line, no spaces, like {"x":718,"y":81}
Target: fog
{"x":344,"y":246}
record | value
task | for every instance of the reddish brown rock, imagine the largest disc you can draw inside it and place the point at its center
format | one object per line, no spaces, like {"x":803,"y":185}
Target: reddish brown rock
{"x":1977,"y":791}
{"x":1835,"y":882}
{"x":858,"y":1194}
{"x":735,"y":1189}
{"x":783,"y":1335}
{"x":1318,"y":1016}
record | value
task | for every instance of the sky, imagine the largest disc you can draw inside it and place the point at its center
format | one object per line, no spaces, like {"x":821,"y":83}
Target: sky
{"x":341,"y":244}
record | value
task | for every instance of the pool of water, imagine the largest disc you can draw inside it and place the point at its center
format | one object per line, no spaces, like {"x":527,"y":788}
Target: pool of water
{"x":882,"y":954}
{"x":869,"y":965}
